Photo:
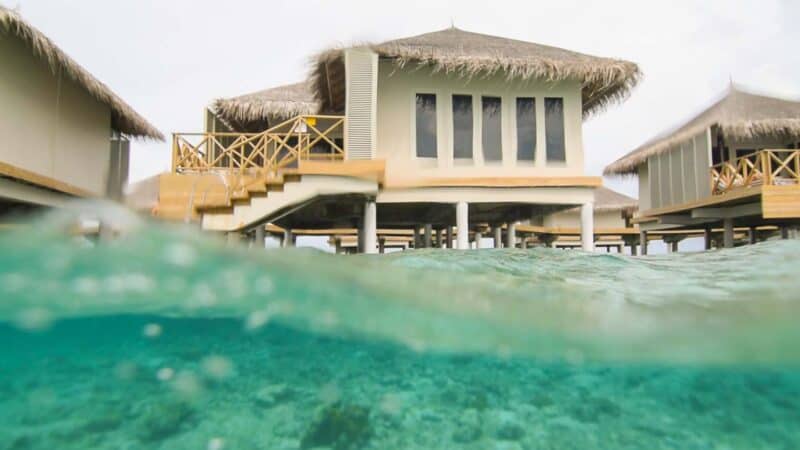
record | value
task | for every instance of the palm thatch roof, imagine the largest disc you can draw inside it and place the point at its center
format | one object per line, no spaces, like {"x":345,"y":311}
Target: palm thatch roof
{"x":606,"y":199}
{"x":467,"y":54}
{"x":123,"y":118}
{"x":271,"y":105}
{"x":739,"y":115}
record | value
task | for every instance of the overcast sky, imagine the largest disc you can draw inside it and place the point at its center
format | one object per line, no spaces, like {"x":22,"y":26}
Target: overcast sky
{"x":169,"y":59}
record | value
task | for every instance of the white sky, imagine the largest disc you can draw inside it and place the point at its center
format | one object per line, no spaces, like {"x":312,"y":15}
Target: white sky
{"x":170,"y":58}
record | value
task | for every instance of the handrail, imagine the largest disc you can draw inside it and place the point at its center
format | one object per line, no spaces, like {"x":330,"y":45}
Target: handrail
{"x":306,"y":137}
{"x":764,"y":167}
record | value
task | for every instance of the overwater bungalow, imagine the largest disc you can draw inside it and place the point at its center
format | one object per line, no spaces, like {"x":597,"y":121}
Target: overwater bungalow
{"x":733,"y":166}
{"x":64,"y":133}
{"x":450,"y":130}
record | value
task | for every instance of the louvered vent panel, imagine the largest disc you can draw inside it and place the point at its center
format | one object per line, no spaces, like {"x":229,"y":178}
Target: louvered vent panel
{"x":361,"y":103}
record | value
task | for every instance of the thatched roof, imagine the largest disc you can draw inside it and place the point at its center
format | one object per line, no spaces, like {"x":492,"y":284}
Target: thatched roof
{"x":123,"y":118}
{"x":606,"y":199}
{"x":468,"y":54}
{"x":271,"y":105}
{"x":739,"y":115}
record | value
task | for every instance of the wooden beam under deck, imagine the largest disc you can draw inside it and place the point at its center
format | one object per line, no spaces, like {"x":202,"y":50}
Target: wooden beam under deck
{"x":578,"y":181}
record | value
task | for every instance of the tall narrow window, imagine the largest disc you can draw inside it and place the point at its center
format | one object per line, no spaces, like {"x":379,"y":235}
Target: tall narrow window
{"x":491,"y":129}
{"x":526,"y":128}
{"x":426,"y":125}
{"x":462,"y":126}
{"x":554,"y":129}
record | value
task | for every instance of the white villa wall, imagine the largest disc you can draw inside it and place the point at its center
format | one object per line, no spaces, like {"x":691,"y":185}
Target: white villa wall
{"x":396,"y":94}
{"x":571,"y":218}
{"x":49,"y":125}
{"x":679,"y":175}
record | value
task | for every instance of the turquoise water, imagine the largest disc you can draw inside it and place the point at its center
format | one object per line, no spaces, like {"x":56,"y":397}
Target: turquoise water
{"x":165,"y":338}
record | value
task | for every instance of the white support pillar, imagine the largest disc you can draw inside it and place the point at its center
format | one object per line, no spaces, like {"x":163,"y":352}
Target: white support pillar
{"x":727,"y":234}
{"x":258,"y":239}
{"x":587,"y":226}
{"x":498,"y":236}
{"x":511,"y":235}
{"x":288,"y":238}
{"x":462,"y":226}
{"x":369,"y":227}
{"x":478,"y":238}
{"x":233,"y":237}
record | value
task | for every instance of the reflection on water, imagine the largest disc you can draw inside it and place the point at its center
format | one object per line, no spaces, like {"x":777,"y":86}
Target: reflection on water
{"x":165,"y":339}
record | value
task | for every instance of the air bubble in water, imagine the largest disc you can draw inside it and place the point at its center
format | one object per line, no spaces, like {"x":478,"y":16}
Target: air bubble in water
{"x":216,"y":444}
{"x":256,"y":320}
{"x":329,"y":393}
{"x":264,"y":286}
{"x":125,"y":370}
{"x":179,"y":254}
{"x":34,"y":319}
{"x":217,"y":367}
{"x":187,"y":384}
{"x":152,"y":330}
{"x":165,"y":373}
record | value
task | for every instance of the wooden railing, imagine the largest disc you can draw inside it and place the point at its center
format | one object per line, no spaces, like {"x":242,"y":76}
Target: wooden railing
{"x":764,"y":167}
{"x":308,"y":137}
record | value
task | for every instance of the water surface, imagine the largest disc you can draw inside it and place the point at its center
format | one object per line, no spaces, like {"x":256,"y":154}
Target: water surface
{"x":166,"y":338}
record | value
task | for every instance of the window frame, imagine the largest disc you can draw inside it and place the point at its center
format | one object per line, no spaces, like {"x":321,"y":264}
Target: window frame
{"x":492,"y":162}
{"x":548,"y":159}
{"x":473,"y":158}
{"x":536,"y":127}
{"x":414,"y":153}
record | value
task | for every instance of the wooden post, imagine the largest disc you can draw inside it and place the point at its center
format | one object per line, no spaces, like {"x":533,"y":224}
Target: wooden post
{"x":428,"y":235}
{"x":439,"y":238}
{"x":643,"y":242}
{"x":382,"y":245}
{"x":752,"y":236}
{"x":478,"y":238}
{"x":498,"y":236}
{"x":727,"y":235}
{"x":707,"y":238}
{"x":337,"y":242}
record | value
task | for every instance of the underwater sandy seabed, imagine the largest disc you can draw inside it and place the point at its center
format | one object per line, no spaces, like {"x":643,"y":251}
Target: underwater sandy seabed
{"x":204,"y":384}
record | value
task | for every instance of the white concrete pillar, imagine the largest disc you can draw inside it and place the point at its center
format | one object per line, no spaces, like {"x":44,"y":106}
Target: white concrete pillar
{"x":498,"y":236}
{"x":462,"y":226}
{"x":428,"y":235}
{"x":258,"y":239}
{"x":288,"y":238}
{"x":511,"y":235}
{"x":439,"y":238}
{"x":478,"y":238}
{"x":587,"y":226}
{"x":233,"y":237}
{"x":369,"y":227}
{"x":727,"y":234}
